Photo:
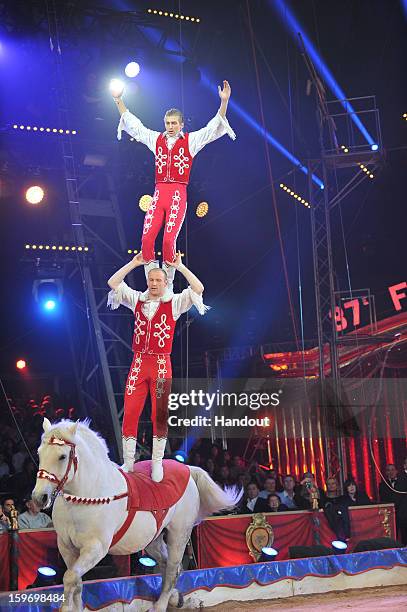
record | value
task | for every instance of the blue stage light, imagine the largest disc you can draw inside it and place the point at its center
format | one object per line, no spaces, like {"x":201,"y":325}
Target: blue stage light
{"x":132,"y":69}
{"x":50,"y":305}
{"x":269,"y":551}
{"x":180,"y":456}
{"x":339,"y":545}
{"x":374,"y":147}
{"x":147,"y":562}
{"x":294,"y":28}
{"x":47,"y":571}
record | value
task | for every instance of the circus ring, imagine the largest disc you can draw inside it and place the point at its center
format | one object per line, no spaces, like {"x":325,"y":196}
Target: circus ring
{"x":215,"y":586}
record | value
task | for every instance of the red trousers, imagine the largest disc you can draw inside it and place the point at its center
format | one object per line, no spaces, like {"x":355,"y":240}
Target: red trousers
{"x":168,"y":206}
{"x":148,"y":373}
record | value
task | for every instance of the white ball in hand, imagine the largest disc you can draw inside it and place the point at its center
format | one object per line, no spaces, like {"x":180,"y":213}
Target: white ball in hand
{"x":116,"y":88}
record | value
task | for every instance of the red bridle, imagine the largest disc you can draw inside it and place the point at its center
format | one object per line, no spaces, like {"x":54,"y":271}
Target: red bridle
{"x":71,"y":461}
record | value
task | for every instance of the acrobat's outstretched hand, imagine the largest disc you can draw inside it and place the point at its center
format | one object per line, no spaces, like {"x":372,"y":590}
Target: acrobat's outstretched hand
{"x":177,"y":261}
{"x":225,"y":92}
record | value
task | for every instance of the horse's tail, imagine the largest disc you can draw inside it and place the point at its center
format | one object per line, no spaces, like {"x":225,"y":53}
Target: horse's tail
{"x":212,"y":497}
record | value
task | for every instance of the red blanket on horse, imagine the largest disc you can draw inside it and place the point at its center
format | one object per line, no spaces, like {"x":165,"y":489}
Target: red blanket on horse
{"x":156,"y":497}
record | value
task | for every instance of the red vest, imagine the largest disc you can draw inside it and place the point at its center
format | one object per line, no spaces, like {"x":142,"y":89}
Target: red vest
{"x":155,"y":336}
{"x":172,"y":165}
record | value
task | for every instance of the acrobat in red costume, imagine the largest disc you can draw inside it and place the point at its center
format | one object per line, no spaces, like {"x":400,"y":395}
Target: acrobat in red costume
{"x":156,"y":312}
{"x":174,"y":153}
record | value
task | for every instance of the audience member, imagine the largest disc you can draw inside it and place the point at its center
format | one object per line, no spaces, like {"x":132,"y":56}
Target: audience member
{"x":268,"y":487}
{"x":393,"y":490}
{"x":275,"y":504}
{"x":333,"y":492}
{"x":287,"y":495}
{"x":4,"y":467}
{"x":4,"y":521}
{"x":252,"y":503}
{"x":352,"y":496}
{"x":32,"y":518}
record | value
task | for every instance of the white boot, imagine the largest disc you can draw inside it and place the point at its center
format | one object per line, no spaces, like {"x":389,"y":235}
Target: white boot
{"x":129,"y":451}
{"x":157,"y":471}
{"x":170,"y":271}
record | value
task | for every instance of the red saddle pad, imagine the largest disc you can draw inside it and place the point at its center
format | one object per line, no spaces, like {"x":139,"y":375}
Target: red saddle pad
{"x":145,"y":494}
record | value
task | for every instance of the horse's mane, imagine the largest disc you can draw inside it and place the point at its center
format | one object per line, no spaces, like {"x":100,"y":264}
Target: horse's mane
{"x":92,"y":438}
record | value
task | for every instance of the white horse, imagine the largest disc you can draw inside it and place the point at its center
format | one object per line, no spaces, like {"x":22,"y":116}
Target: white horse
{"x":90,"y":508}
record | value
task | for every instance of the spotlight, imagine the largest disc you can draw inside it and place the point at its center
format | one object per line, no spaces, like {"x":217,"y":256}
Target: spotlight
{"x":374,"y":147}
{"x":180,"y":456}
{"x":132,"y":69}
{"x":116,"y":87}
{"x":268,"y":554}
{"x":144,"y":202}
{"x":48,"y":294}
{"x":34,"y":194}
{"x":202,"y":209}
{"x":339,"y":545}
{"x":344,"y":149}
{"x":146,"y":564}
{"x":21,"y":364}
{"x":46,"y":576}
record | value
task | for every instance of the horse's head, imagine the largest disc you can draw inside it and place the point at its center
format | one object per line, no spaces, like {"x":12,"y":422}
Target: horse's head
{"x":57,"y":461}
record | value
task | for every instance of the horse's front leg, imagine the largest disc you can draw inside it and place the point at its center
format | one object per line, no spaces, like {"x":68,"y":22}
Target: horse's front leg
{"x":89,"y":555}
{"x":69,"y":555}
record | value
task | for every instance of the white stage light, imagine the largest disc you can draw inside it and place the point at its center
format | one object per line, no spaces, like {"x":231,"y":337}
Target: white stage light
{"x":132,"y":69}
{"x":116,"y":87}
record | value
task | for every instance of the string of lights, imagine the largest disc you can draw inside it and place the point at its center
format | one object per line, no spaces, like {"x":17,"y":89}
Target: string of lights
{"x":35,"y":128}
{"x":173,"y":15}
{"x":294,"y":195}
{"x":366,"y":170}
{"x":54,"y":247}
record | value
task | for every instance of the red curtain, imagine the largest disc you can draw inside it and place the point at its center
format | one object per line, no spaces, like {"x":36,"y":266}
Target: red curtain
{"x":222,"y":541}
{"x":5,"y":562}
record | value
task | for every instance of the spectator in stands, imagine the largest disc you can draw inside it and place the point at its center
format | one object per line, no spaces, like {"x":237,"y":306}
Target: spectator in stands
{"x":268,"y":487}
{"x":388,"y":495}
{"x":32,"y":518}
{"x":214,"y":454}
{"x":195,"y":459}
{"x":210,"y":467}
{"x":275,"y":504}
{"x":252,"y":503}
{"x":404,"y":474}
{"x":273,"y":474}
{"x":352,"y":496}
{"x":287,"y":495}
{"x":237,"y":467}
{"x":19,"y":456}
{"x":4,"y":521}
{"x":307,"y":494}
{"x":332,"y":493}
{"x":4,"y":467}
{"x":243,"y":479}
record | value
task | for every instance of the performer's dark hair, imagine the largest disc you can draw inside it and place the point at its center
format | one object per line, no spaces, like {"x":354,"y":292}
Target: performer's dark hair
{"x":175,"y":111}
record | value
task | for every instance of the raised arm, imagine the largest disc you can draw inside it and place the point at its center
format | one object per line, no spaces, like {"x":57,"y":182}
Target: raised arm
{"x":193,"y":280}
{"x":132,"y":124}
{"x":115,"y":280}
{"x":224,"y":95}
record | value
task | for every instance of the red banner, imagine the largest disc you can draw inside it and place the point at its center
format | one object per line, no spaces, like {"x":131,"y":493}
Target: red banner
{"x":222,"y":540}
{"x":5,"y":562}
{"x":35,"y":549}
